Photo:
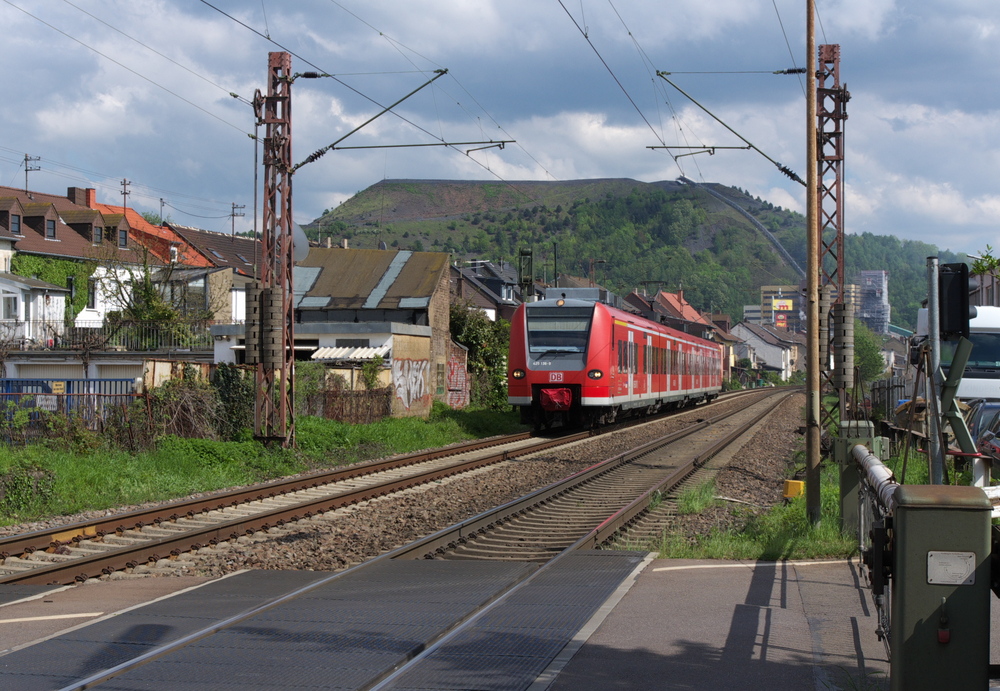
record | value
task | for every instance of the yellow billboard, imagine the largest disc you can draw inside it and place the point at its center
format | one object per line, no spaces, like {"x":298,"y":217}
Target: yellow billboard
{"x":782,"y":305}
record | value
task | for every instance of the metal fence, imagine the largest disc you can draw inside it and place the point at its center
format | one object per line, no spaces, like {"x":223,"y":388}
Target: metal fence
{"x":24,"y":402}
{"x":120,"y":335}
{"x":353,"y":407}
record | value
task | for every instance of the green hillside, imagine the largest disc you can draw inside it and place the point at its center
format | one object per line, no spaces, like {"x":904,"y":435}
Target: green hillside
{"x":673,"y":234}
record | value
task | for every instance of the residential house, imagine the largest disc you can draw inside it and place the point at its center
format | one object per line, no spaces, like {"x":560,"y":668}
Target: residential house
{"x":355,"y":305}
{"x":234,"y":261}
{"x":110,"y":244}
{"x":674,"y":311}
{"x":776,"y":349}
{"x":490,"y":287}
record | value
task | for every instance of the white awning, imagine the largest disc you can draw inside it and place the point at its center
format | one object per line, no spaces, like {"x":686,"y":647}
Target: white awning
{"x":364,"y":353}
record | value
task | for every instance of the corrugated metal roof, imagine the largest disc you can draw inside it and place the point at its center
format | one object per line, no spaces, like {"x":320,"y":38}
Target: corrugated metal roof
{"x":351,"y":353}
{"x":374,"y":279}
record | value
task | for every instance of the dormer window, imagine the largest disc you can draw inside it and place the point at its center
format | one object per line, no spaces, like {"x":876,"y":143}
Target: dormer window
{"x":50,"y":229}
{"x":98,"y":235}
{"x":122,"y":237}
{"x":15,"y":224}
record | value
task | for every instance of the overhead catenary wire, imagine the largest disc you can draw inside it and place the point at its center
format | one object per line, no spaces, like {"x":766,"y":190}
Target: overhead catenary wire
{"x":611,"y":72}
{"x":784,"y":169}
{"x":153,"y":50}
{"x":351,"y":88}
{"x":125,"y":67}
{"x":789,"y":45}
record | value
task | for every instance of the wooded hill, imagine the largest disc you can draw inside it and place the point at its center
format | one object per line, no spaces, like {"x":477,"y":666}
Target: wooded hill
{"x":661,"y":234}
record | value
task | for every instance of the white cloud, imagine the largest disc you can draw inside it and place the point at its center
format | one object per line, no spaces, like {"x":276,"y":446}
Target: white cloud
{"x":93,"y":118}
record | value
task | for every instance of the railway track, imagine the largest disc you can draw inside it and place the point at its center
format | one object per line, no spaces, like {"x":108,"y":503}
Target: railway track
{"x":77,"y":552}
{"x":662,"y":463}
{"x":589,"y":508}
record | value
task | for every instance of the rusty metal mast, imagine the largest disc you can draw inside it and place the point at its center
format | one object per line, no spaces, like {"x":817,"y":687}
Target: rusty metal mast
{"x":831,"y":105}
{"x":832,"y":98}
{"x":274,"y":419}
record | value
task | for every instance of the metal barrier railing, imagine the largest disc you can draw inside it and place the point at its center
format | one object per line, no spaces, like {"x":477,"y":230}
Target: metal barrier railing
{"x":876,"y":503}
{"x":121,"y":335}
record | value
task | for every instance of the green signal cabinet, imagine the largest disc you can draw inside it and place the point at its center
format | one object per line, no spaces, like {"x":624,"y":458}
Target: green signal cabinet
{"x":940,"y":611}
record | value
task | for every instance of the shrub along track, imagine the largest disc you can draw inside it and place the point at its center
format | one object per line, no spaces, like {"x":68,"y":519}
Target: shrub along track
{"x":327,"y":537}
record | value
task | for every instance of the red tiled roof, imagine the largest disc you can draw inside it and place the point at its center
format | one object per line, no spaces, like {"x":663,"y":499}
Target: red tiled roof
{"x":69,"y":242}
{"x":159,"y":239}
{"x":676,"y":305}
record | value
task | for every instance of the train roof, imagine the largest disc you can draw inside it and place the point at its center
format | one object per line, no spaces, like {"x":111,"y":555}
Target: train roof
{"x":622,"y":315}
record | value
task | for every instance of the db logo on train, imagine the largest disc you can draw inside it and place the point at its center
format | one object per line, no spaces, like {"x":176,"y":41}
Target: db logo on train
{"x":555,"y":376}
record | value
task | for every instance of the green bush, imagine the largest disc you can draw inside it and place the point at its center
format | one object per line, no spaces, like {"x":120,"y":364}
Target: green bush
{"x":209,"y":452}
{"x":235,"y":388}
{"x":23,"y":487}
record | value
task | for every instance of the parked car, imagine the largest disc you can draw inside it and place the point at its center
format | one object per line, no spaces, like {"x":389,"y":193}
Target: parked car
{"x":980,"y":412}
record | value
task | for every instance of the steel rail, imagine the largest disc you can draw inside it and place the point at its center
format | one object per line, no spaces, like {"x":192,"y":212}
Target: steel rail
{"x":628,"y":514}
{"x":401,"y":552}
{"x":81,"y":568}
{"x":440,"y":542}
{"x":51,"y":539}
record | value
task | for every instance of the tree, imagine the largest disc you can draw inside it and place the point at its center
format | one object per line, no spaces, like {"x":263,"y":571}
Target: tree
{"x":867,"y":352}
{"x":487,"y":342}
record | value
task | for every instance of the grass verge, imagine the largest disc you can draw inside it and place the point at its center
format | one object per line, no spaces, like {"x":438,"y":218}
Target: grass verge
{"x":782,"y":533}
{"x":40,"y":481}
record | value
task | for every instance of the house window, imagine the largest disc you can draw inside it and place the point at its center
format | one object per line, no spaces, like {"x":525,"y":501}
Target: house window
{"x":15,"y":224}
{"x":122,"y":237}
{"x":9,"y":307}
{"x":98,"y":235}
{"x":50,"y":230}
{"x":91,"y":293}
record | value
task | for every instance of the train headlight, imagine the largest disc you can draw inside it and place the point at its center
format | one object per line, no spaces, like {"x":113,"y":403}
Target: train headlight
{"x":595,"y":374}
{"x":517,"y":374}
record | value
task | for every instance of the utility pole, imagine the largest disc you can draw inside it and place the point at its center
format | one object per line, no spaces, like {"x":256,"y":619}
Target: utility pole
{"x":29,"y":168}
{"x":125,"y":193}
{"x":275,"y":383}
{"x":813,"y":431}
{"x":270,"y":335}
{"x":237,"y":211}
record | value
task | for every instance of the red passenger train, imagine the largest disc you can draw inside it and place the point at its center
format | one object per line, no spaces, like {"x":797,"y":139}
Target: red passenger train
{"x":582,"y":362}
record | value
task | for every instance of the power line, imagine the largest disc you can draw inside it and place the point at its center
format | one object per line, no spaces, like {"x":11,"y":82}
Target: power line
{"x":124,"y":67}
{"x":610,"y":71}
{"x":91,"y":173}
{"x":789,"y":45}
{"x":359,"y":93}
{"x":153,"y":50}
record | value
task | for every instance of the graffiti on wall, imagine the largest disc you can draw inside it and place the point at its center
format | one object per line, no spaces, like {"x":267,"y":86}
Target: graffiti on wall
{"x":408,"y":380}
{"x":458,"y":383}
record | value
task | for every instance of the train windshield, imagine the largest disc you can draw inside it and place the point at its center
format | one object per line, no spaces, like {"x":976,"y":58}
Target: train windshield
{"x":558,"y":329}
{"x":985,"y":351}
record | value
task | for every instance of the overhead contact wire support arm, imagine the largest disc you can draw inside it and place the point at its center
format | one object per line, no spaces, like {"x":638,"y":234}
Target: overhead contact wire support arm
{"x":784,"y":169}
{"x":320,"y":152}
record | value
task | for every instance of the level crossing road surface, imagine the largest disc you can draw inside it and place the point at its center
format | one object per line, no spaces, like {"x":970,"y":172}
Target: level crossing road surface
{"x":607,"y":621}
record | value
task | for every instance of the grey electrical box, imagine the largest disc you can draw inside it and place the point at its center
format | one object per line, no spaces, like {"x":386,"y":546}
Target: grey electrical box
{"x":852,"y":433}
{"x":940,"y":611}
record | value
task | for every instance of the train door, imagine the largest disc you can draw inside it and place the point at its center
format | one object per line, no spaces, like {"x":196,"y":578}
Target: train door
{"x":630,"y":366}
{"x":650,"y":355}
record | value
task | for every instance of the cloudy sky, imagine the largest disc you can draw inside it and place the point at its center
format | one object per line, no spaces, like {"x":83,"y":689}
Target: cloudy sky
{"x":105,"y":90}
